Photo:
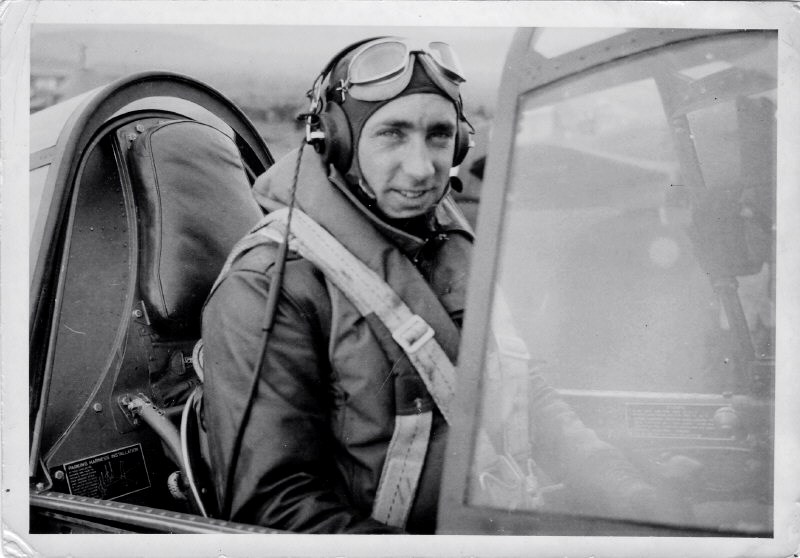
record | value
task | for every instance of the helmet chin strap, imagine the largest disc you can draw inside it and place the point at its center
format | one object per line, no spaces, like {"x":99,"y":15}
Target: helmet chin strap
{"x":453,"y":183}
{"x":365,"y":188}
{"x":444,"y":193}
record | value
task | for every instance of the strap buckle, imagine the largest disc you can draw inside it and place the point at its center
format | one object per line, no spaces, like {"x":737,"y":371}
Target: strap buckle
{"x":413,"y":334}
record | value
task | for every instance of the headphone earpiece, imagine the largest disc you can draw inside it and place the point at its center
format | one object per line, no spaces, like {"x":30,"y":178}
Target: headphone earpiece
{"x":336,"y":144}
{"x":463,"y":142}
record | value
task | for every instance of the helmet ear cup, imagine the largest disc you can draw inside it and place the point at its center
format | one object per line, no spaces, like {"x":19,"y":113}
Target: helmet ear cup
{"x":462,"y":142}
{"x":337,"y":144}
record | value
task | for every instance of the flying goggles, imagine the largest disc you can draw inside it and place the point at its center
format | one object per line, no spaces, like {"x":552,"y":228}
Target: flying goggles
{"x":381,"y":69}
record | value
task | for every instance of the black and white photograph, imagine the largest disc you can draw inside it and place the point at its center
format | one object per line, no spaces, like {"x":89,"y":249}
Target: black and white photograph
{"x":362,"y":278}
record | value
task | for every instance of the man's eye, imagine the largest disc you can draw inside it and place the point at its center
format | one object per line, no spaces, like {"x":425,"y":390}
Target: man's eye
{"x":441,"y":137}
{"x":392,"y":133}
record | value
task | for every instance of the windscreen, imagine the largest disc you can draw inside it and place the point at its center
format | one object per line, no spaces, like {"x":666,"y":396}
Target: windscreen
{"x":631,"y":353}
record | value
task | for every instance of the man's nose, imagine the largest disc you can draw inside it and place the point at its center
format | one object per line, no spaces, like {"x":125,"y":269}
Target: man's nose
{"x":418,"y":160}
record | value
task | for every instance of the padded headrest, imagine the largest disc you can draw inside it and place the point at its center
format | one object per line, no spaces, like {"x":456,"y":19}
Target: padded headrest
{"x":194,"y":203}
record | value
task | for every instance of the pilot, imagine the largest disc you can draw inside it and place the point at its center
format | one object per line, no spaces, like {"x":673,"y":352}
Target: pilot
{"x":327,"y":422}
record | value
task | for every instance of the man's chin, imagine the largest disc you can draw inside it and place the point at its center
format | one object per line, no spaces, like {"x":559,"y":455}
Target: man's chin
{"x":408,"y":211}
{"x":405,"y":214}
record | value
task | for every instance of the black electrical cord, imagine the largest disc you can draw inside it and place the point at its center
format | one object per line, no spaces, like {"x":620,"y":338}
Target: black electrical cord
{"x":269,"y":319}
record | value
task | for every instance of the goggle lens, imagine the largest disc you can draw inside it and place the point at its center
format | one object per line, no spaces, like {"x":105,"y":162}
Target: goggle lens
{"x":446,"y":58}
{"x":378,"y":61}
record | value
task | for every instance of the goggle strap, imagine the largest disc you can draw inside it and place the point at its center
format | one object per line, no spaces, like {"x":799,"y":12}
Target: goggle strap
{"x":315,"y":95}
{"x":464,"y":118}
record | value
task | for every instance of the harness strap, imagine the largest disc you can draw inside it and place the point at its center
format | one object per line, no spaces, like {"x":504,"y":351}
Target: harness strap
{"x":369,"y":293}
{"x":405,"y":458}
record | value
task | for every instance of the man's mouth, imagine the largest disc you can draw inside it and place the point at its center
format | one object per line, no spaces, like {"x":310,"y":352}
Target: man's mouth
{"x":412,"y":194}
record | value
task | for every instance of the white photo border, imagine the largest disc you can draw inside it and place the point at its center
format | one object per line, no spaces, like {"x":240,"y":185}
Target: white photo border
{"x":16,"y":19}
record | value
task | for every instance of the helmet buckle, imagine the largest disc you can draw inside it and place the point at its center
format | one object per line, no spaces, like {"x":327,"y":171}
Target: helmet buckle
{"x":342,"y":90}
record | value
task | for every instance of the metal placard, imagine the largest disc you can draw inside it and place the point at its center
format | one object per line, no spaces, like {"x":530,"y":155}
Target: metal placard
{"x":108,"y":475}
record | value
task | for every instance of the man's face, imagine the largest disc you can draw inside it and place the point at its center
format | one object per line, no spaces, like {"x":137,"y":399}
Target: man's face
{"x":405,"y":153}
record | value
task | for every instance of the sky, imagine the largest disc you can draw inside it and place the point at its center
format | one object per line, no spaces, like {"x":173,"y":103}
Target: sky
{"x":255,"y":56}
